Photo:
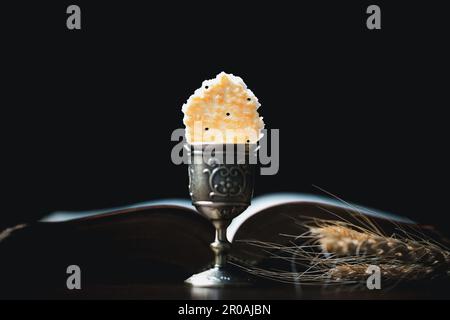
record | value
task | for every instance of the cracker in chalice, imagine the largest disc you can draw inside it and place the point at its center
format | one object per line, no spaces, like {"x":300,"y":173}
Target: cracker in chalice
{"x":223,"y":110}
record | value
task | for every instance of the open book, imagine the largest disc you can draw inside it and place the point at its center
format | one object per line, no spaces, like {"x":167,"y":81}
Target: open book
{"x":158,"y":241}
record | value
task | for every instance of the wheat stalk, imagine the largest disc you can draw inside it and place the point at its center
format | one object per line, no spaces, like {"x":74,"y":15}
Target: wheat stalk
{"x":347,"y":250}
{"x":357,"y":273}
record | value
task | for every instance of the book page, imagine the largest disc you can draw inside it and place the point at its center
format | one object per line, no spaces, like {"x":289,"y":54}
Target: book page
{"x":263,"y":202}
{"x":60,"y":216}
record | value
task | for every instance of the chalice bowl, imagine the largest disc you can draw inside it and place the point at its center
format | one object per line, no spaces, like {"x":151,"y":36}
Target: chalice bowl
{"x":221,"y":179}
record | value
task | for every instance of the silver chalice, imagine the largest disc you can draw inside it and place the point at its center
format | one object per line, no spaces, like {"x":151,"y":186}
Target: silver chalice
{"x":221,"y":187}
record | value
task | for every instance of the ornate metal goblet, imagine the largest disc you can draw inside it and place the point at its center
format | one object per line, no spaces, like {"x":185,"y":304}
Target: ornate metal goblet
{"x":221,"y":187}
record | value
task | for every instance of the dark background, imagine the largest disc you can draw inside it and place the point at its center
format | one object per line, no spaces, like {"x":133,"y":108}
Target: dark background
{"x":87,"y":115}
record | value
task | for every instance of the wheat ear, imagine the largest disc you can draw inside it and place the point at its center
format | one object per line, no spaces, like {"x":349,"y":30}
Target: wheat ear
{"x":341,"y":240}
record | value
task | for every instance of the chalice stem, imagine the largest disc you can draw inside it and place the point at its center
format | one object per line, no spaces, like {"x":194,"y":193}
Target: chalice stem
{"x":221,"y":246}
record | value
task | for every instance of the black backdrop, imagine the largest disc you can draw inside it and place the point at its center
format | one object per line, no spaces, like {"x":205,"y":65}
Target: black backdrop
{"x":87,"y":115}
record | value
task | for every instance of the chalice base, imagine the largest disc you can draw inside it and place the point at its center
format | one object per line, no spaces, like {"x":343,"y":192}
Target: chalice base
{"x":218,"y":278}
